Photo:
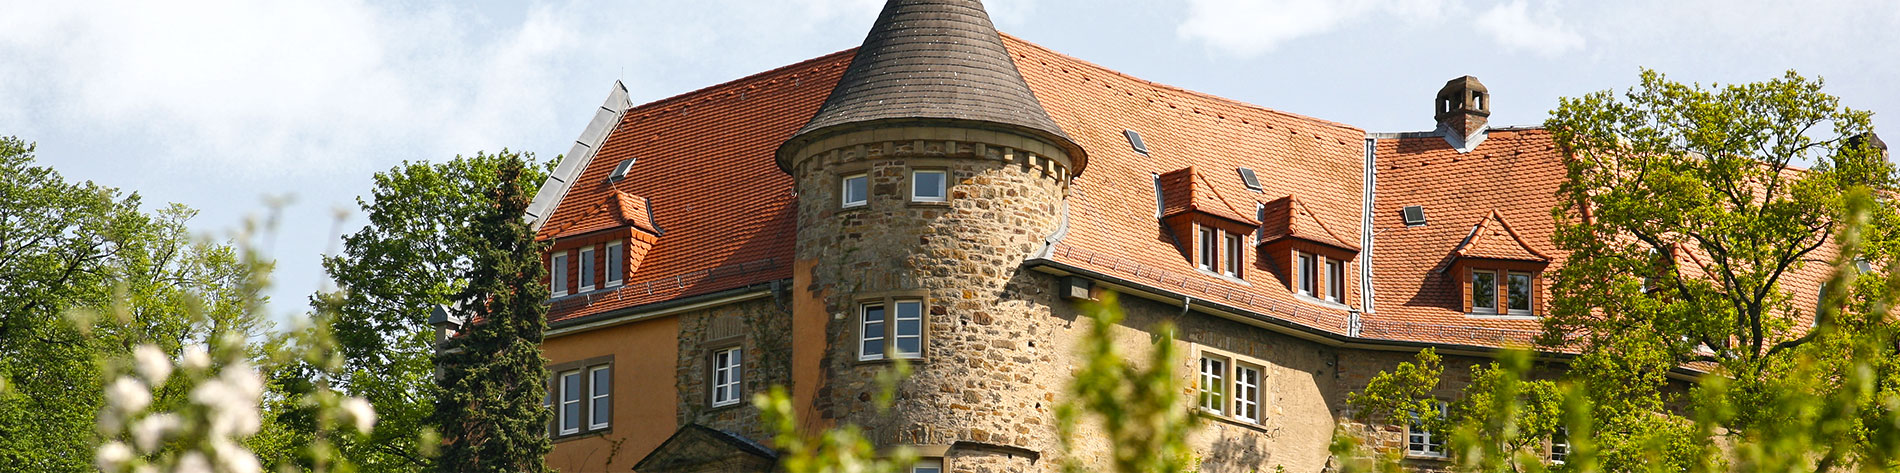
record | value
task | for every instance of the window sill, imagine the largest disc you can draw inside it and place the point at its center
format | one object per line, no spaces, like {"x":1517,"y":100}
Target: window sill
{"x":601,"y":432}
{"x":1432,"y":457}
{"x":929,"y":203}
{"x":725,"y":407}
{"x":888,"y":360}
{"x":1223,"y":277}
{"x":1318,"y":301}
{"x":1225,"y":419}
{"x":1497,"y":316}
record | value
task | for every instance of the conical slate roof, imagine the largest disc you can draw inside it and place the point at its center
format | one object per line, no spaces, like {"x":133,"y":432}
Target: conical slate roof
{"x":932,"y":61}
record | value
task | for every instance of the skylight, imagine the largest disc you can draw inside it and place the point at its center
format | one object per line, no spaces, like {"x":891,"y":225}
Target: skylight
{"x":620,"y":172}
{"x":1134,"y":140}
{"x":1247,"y":177}
{"x":1414,"y":215}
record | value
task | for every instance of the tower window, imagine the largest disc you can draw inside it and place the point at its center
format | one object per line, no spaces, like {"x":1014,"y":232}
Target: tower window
{"x":857,"y":190}
{"x":871,"y":332}
{"x":726,"y":376}
{"x":908,"y":336}
{"x":927,"y":186}
{"x":891,"y":328}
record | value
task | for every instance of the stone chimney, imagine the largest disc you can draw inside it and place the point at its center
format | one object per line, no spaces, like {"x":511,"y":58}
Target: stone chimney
{"x":1463,"y":107}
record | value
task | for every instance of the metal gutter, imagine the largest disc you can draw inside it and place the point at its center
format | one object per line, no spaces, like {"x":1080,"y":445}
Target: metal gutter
{"x":661,"y":309}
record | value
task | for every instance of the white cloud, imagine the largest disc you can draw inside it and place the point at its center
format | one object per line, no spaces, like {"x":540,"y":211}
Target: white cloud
{"x":1251,"y":27}
{"x":1514,"y":26}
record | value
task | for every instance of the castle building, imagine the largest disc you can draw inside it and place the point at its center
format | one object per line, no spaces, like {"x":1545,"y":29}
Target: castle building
{"x":947,"y":195}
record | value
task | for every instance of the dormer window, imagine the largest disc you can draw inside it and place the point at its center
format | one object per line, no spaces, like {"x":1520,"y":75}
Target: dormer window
{"x":1484,"y":291}
{"x":1210,"y":249}
{"x":616,"y":264}
{"x":1518,"y":293}
{"x":587,"y":269}
{"x":1309,"y":274}
{"x":928,"y":186}
{"x":1497,"y":271}
{"x":1335,"y":281}
{"x":856,"y":190}
{"x":557,"y":274}
{"x":1233,"y":255}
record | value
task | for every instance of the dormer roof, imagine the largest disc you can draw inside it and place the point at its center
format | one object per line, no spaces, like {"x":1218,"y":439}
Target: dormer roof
{"x":933,"y":61}
{"x":618,"y":211}
{"x":1186,"y":190}
{"x":1492,"y":238}
{"x":1286,"y":217}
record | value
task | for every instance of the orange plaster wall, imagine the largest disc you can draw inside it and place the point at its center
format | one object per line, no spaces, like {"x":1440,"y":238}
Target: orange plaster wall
{"x":808,"y":343}
{"x":645,"y":402}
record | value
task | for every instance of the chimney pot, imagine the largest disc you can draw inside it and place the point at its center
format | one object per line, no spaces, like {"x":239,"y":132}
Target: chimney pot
{"x":1463,"y":106}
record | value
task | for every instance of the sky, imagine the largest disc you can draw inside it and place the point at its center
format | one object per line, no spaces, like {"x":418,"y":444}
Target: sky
{"x":231,"y":107}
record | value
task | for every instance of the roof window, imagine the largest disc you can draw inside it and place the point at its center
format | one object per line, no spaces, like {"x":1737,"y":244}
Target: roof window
{"x":1247,"y":177}
{"x":1414,"y":215}
{"x":620,"y":171}
{"x":1134,"y":140}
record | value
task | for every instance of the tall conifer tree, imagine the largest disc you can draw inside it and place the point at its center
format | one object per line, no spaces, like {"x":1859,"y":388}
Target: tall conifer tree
{"x":489,"y":406}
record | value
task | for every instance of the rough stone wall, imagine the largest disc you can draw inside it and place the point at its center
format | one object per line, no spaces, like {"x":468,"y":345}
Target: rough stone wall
{"x":981,"y":381}
{"x":761,"y":328}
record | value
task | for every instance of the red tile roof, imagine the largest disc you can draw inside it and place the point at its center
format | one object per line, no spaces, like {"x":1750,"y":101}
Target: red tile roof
{"x":1186,"y":190}
{"x":1288,"y":218}
{"x":1492,"y":238}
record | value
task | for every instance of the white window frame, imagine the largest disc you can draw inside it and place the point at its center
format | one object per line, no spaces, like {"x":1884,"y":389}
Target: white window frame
{"x":1336,"y":281}
{"x":557,"y":274}
{"x":587,"y":269}
{"x":927,"y":465}
{"x":1306,"y":281}
{"x":1213,"y":386}
{"x":943,"y":186}
{"x":729,"y":362}
{"x":1246,"y":392}
{"x":844,"y":191}
{"x":570,"y":425}
{"x":616,"y":266}
{"x":1210,"y":249}
{"x":1233,"y":245}
{"x":866,"y":335}
{"x":1560,"y":445}
{"x":896,"y":321}
{"x":1530,"y":293}
{"x":596,"y":393}
{"x":1423,"y":442}
{"x":1490,"y":303}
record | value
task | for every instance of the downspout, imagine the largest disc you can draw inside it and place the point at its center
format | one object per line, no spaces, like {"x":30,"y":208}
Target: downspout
{"x":1365,"y":236}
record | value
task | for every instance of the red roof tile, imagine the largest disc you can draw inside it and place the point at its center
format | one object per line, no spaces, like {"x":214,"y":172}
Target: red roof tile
{"x":1186,"y":190}
{"x":1492,"y":238}
{"x":1288,"y":218}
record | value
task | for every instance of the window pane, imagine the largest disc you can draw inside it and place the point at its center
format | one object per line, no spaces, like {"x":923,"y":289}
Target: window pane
{"x":616,"y":254}
{"x":871,"y":333}
{"x":1520,"y":294}
{"x":856,"y":190}
{"x":601,"y":382}
{"x":1233,"y":255}
{"x":1209,"y":252}
{"x":570,"y":401}
{"x":1213,"y":385}
{"x":571,"y":387}
{"x":910,"y":328}
{"x":1484,"y":290}
{"x":1306,"y":274}
{"x":927,"y":465}
{"x":598,"y":385}
{"x":600,"y":411}
{"x":927,"y":185}
{"x":557,"y":272}
{"x":1246,"y":393}
{"x":587,"y":268}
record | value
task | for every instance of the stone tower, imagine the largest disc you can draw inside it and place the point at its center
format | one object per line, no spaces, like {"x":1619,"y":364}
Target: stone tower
{"x":1463,"y":106}
{"x":927,"y":177}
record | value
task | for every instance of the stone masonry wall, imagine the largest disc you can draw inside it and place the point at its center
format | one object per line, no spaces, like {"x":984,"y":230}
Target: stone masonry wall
{"x":760,"y":327}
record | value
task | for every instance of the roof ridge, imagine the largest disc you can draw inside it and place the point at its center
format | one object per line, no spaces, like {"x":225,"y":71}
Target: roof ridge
{"x":645,"y":109}
{"x":1178,"y":89}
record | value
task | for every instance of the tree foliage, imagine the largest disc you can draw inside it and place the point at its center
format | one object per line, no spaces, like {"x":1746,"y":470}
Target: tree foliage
{"x":1138,"y":407}
{"x":414,"y":255}
{"x":489,"y":397}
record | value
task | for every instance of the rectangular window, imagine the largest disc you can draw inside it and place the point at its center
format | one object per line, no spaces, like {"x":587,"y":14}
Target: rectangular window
{"x":1307,"y":268}
{"x":1422,"y":441}
{"x":927,"y":465}
{"x":927,"y":186}
{"x":726,"y":377}
{"x":1213,"y":384}
{"x":871,"y":332}
{"x":557,"y":274}
{"x":1233,"y":255}
{"x":1335,"y":281}
{"x":1210,"y":249}
{"x":909,"y":325}
{"x":1246,"y":393}
{"x":1560,"y":446}
{"x":616,"y":264}
{"x":857,"y":190}
{"x":599,"y":400}
{"x":570,"y":402}
{"x":587,"y":269}
{"x":1519,"y":293}
{"x":1484,"y":291}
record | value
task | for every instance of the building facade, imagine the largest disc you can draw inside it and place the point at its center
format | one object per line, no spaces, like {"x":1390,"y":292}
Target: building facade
{"x":948,"y":195}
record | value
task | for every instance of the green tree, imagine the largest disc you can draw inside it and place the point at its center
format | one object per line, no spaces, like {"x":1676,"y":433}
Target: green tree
{"x":489,"y":398}
{"x":414,"y":255}
{"x":1138,"y":407}
{"x":81,"y":248}
{"x":1688,"y":225}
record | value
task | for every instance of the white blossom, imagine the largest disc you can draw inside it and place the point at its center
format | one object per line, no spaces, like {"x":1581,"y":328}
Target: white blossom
{"x":152,"y":363}
{"x":235,"y":458}
{"x":360,"y":412}
{"x":192,"y":462}
{"x":149,"y":432}
{"x":245,"y":379}
{"x":112,"y":455}
{"x":196,"y":358}
{"x":128,"y":395}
